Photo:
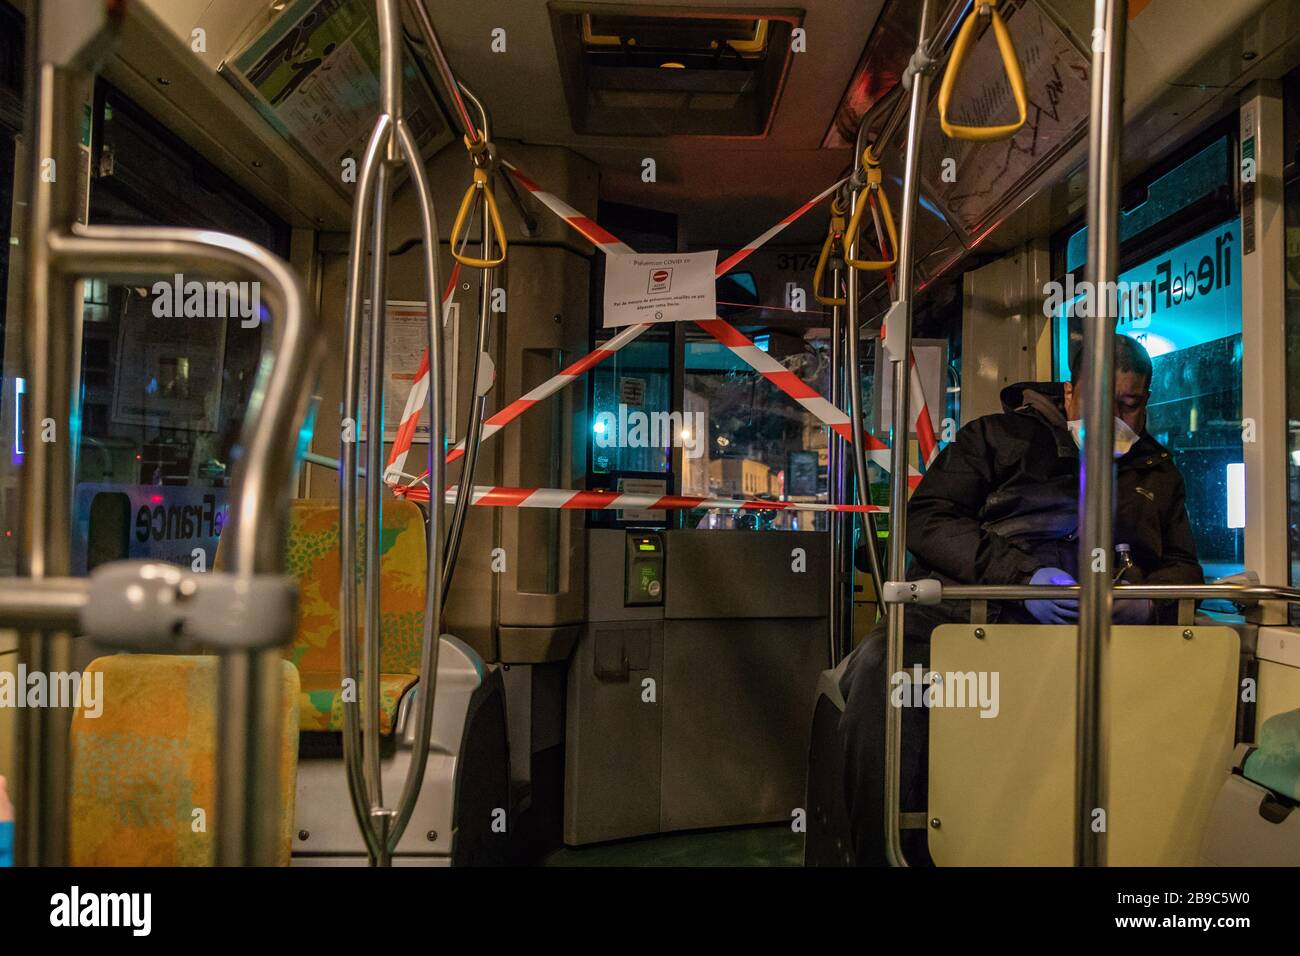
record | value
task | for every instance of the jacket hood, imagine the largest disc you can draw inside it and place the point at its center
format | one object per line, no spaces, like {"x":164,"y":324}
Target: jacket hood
{"x":1046,"y":400}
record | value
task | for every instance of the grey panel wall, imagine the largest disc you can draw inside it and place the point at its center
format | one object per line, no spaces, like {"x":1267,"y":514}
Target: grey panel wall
{"x":738,"y":705}
{"x":746,"y":574}
{"x":734,"y":655}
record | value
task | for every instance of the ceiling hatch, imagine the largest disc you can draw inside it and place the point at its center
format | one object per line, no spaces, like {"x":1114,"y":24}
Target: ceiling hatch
{"x":639,"y":70}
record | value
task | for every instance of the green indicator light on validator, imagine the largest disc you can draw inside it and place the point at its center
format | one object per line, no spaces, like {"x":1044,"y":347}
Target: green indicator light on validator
{"x":645,"y":546}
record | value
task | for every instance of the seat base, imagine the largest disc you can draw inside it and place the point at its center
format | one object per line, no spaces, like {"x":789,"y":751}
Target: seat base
{"x":463,"y":812}
{"x":828,"y":840}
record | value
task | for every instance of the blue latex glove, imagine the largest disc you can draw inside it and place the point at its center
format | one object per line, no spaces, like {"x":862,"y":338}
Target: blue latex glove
{"x":1053,"y":612}
{"x":1132,"y":612}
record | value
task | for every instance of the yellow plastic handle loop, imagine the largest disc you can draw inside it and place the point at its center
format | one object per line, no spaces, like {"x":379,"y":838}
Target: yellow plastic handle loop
{"x":462,"y":217}
{"x":1010,"y":63}
{"x":836,"y":231}
{"x":821,"y":271}
{"x":855,"y":224}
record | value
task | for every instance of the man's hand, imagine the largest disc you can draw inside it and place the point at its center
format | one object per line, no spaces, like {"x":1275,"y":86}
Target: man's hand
{"x":1053,"y":612}
{"x":1132,"y":612}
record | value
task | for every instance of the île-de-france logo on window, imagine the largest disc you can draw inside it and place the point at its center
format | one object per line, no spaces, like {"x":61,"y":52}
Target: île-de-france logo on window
{"x":661,"y":280}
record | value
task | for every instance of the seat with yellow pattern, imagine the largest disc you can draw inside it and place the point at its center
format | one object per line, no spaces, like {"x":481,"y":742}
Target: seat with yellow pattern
{"x":143,"y":787}
{"x":313,"y":558}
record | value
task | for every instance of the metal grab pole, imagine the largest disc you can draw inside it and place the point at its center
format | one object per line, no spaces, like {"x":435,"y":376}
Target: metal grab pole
{"x":929,"y":54}
{"x":834,"y":482}
{"x":353,"y":744}
{"x":374,"y":511}
{"x":478,"y":399}
{"x":437,"y":468}
{"x":899,"y":335}
{"x":58,"y":251}
{"x":853,"y":336}
{"x":1096,"y":474}
{"x":248,"y":759}
{"x":441,"y":66}
{"x":390,"y":142}
{"x":52,"y":353}
{"x":478,"y":405}
{"x":458,"y":92}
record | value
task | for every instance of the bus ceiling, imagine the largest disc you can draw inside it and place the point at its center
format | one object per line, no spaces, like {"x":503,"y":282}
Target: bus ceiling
{"x":702,"y":90}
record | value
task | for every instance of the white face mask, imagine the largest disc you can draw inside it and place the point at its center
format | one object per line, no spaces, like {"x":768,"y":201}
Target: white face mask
{"x":1125,"y":437}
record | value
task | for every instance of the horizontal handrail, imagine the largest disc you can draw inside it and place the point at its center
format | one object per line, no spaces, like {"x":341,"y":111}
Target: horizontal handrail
{"x":1155,"y":592}
{"x":52,"y":603}
{"x":263,"y":478}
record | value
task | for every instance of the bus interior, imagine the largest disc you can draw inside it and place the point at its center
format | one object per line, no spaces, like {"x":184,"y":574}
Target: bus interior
{"x":660,"y":280}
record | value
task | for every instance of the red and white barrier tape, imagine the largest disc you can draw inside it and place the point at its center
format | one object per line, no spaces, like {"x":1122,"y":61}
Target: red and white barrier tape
{"x":725,"y":333}
{"x":500,"y":419}
{"x":601,"y":238}
{"x":925,"y":437}
{"x":569,"y":499}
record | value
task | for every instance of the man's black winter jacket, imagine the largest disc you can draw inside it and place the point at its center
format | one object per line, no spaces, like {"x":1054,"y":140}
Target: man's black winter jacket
{"x":1002,"y":501}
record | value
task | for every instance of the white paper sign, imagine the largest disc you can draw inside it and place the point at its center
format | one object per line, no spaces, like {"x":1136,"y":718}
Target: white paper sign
{"x":664,"y":287}
{"x":641,"y":486}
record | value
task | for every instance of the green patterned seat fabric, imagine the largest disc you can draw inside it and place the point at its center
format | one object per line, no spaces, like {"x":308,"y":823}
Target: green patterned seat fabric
{"x":313,"y":558}
{"x":1276,"y":763}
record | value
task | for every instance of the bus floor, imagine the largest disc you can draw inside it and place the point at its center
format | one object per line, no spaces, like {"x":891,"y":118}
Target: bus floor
{"x":770,"y":845}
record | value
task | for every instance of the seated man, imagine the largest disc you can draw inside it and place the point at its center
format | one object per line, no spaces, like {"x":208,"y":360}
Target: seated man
{"x":1000,"y":506}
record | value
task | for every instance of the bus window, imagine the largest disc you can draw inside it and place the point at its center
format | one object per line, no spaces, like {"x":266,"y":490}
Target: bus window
{"x":1182,"y":300}
{"x":168,"y":364}
{"x":630,"y":393}
{"x":761,"y":444}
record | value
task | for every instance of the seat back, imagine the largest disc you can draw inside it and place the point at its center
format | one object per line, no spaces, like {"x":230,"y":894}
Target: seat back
{"x":313,"y":558}
{"x":144,"y":744}
{"x":1002,"y":785}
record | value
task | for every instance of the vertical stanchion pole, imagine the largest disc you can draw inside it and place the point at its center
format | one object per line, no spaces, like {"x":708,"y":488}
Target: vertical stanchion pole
{"x":353,"y":742}
{"x":1096,"y":474}
{"x":834,"y":478}
{"x":373,"y":633}
{"x":478,"y":399}
{"x":853,"y":385}
{"x":52,"y":353}
{"x":899,"y":347}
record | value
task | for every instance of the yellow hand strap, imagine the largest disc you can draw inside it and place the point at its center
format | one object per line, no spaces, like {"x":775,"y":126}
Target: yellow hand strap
{"x":872,"y":165}
{"x":1010,"y":63}
{"x":462,"y":217}
{"x":834,"y":233}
